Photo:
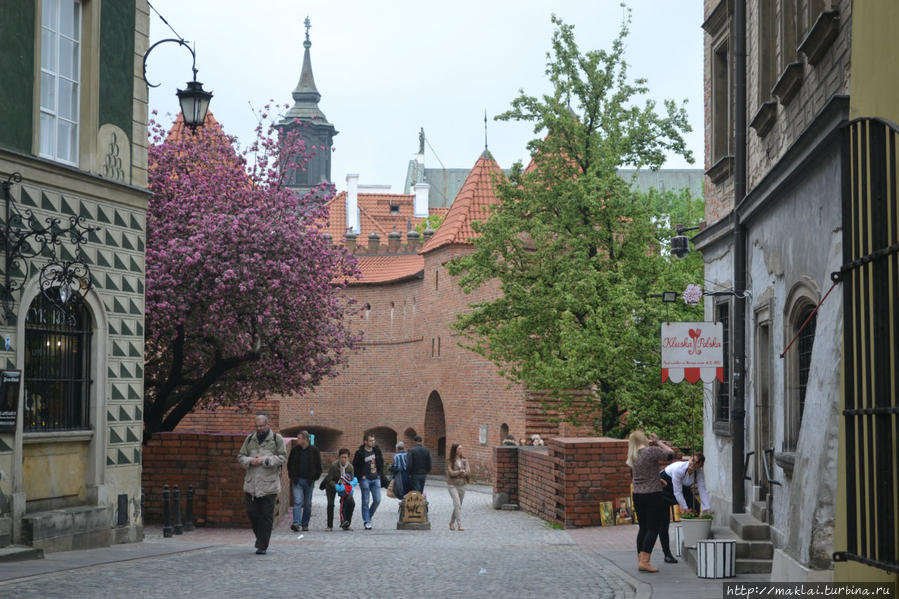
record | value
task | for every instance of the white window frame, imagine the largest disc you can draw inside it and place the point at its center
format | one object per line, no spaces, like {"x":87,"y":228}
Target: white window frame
{"x":52,"y":79}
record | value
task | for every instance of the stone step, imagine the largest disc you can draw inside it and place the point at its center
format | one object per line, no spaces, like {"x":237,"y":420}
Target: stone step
{"x":745,"y":549}
{"x":759,"y":510}
{"x":742,"y":565}
{"x":749,"y":528}
{"x":65,"y":529}
{"x":753,"y":566}
{"x":18,"y":553}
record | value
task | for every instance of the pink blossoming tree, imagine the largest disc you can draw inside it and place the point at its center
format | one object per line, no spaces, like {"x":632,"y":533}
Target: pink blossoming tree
{"x":243,"y":287}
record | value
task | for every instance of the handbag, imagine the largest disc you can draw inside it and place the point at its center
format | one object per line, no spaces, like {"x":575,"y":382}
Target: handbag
{"x":390,"y":492}
{"x":384,"y":481}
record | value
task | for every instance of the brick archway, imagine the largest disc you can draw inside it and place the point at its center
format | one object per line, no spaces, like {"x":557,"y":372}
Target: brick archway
{"x":435,"y":431}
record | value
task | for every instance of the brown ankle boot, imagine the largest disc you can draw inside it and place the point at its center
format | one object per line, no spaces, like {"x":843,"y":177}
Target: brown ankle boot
{"x":644,"y":565}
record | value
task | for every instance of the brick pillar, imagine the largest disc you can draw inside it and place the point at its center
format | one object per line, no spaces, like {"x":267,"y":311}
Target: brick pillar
{"x":394,"y":238}
{"x":505,"y":477}
{"x":374,"y":242}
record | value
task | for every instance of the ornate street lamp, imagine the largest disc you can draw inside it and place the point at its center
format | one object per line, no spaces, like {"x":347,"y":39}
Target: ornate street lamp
{"x":194,"y":100}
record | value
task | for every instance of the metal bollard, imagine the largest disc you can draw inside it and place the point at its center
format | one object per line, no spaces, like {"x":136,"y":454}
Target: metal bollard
{"x":166,"y":516}
{"x":189,"y":524}
{"x":176,"y":506}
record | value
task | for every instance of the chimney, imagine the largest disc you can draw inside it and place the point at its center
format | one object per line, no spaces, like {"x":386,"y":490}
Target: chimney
{"x":374,"y":242}
{"x":426,"y":236}
{"x":350,"y":241}
{"x":421,"y":200}
{"x":394,"y":239}
{"x":412,"y":241}
{"x":352,"y":203}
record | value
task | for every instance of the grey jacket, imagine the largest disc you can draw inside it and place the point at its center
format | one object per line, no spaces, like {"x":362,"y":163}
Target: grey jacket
{"x":264,"y":479}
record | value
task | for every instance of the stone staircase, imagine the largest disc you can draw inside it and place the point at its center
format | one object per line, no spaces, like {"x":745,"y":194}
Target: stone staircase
{"x":755,"y":551}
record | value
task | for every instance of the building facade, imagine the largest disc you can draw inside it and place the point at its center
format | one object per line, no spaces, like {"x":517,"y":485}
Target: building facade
{"x":73,"y":152}
{"x":775,"y":197}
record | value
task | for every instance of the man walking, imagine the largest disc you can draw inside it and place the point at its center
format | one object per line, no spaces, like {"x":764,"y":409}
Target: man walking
{"x":419,"y":465}
{"x":262,"y":454}
{"x":304,"y":466}
{"x":368,"y":463}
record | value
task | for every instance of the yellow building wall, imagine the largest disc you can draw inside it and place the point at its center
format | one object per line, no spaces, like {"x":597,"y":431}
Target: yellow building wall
{"x":53,"y":470}
{"x":874,"y":76}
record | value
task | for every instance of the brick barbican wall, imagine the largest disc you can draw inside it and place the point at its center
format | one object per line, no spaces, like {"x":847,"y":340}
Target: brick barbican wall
{"x":208,"y":461}
{"x":564,"y":481}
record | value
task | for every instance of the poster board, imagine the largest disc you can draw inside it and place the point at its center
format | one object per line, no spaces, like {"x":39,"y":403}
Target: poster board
{"x":9,"y":398}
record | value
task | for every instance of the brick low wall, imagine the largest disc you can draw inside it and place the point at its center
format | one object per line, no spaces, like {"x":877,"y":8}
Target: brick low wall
{"x":208,"y":461}
{"x":564,"y":481}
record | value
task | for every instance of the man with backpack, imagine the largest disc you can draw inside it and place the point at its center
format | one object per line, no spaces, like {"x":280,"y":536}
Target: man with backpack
{"x":262,"y":454}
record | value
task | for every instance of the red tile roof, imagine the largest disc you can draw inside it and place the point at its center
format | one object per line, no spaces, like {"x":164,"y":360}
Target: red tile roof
{"x":390,"y":268}
{"x":178,"y":127}
{"x":470,"y":205}
{"x":374,"y":214}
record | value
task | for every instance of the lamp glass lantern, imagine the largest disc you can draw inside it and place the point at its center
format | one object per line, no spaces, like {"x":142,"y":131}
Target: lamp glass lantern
{"x":194,"y":103}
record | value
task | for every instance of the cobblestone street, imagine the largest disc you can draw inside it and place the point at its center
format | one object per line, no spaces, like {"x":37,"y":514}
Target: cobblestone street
{"x":500,"y":554}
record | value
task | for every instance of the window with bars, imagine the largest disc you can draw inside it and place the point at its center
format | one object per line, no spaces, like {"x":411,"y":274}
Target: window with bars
{"x":722,"y":388}
{"x":804,"y":356}
{"x":60,"y":79}
{"x":57,"y":368}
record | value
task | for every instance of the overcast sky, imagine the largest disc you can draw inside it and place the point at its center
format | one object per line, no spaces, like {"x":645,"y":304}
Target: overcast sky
{"x":386,"y":69}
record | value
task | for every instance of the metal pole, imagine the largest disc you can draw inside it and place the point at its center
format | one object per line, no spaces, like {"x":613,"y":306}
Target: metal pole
{"x":189,"y":524}
{"x":737,"y":408}
{"x":176,"y":500}
{"x":166,"y":516}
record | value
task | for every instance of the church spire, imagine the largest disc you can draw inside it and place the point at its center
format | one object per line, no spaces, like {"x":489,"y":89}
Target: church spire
{"x":305,"y":94}
{"x":309,"y":122}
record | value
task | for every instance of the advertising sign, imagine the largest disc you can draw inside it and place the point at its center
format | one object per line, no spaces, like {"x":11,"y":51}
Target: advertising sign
{"x":9,"y":398}
{"x":692,"y":351}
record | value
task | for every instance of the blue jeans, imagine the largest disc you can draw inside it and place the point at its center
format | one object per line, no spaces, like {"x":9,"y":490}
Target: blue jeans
{"x":302,"y":502}
{"x":370,"y":486}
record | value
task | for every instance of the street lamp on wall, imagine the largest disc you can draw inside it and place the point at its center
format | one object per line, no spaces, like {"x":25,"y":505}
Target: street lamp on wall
{"x":194,"y":99}
{"x":680,"y":243}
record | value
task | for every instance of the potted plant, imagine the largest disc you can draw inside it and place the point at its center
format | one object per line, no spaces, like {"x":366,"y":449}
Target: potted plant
{"x":695,"y":527}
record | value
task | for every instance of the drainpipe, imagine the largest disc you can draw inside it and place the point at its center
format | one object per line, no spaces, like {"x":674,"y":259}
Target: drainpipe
{"x":737,"y":409}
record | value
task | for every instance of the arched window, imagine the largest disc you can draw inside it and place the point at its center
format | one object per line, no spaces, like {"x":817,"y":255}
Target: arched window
{"x":57,"y":367}
{"x":798,"y":360}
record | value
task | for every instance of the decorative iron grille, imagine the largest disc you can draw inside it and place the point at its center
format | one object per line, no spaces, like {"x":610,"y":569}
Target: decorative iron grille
{"x":57,"y":367}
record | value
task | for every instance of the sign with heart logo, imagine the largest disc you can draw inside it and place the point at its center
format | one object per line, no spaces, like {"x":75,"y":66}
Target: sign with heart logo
{"x":692,"y":351}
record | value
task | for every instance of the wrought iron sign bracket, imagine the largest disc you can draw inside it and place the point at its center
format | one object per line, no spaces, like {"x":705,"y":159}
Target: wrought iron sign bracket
{"x":63,"y":282}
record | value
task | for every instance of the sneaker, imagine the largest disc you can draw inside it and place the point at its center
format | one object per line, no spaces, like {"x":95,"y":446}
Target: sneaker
{"x":305,"y":528}
{"x":330,"y":529}
{"x":345,"y":525}
{"x":294,"y":528}
{"x":367,"y":526}
{"x":260,"y":552}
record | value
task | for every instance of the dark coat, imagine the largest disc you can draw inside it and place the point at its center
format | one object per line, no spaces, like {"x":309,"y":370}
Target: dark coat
{"x":294,"y":460}
{"x":419,"y":460}
{"x":359,"y":462}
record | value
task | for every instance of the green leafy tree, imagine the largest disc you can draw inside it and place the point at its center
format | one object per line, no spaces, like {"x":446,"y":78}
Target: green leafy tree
{"x":579,"y":253}
{"x":433,"y":222}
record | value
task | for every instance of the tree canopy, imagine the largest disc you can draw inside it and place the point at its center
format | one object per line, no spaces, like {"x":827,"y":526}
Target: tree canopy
{"x":579,"y":252}
{"x":243,"y":287}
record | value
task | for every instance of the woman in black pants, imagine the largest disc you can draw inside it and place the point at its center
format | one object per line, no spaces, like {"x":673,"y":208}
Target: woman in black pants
{"x":643,"y":457}
{"x":678,"y":479}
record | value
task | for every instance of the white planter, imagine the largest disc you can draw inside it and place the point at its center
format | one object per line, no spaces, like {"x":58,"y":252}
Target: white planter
{"x":697,"y":529}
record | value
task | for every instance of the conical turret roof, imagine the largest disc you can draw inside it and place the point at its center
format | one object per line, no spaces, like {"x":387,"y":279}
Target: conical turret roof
{"x":471,"y":204}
